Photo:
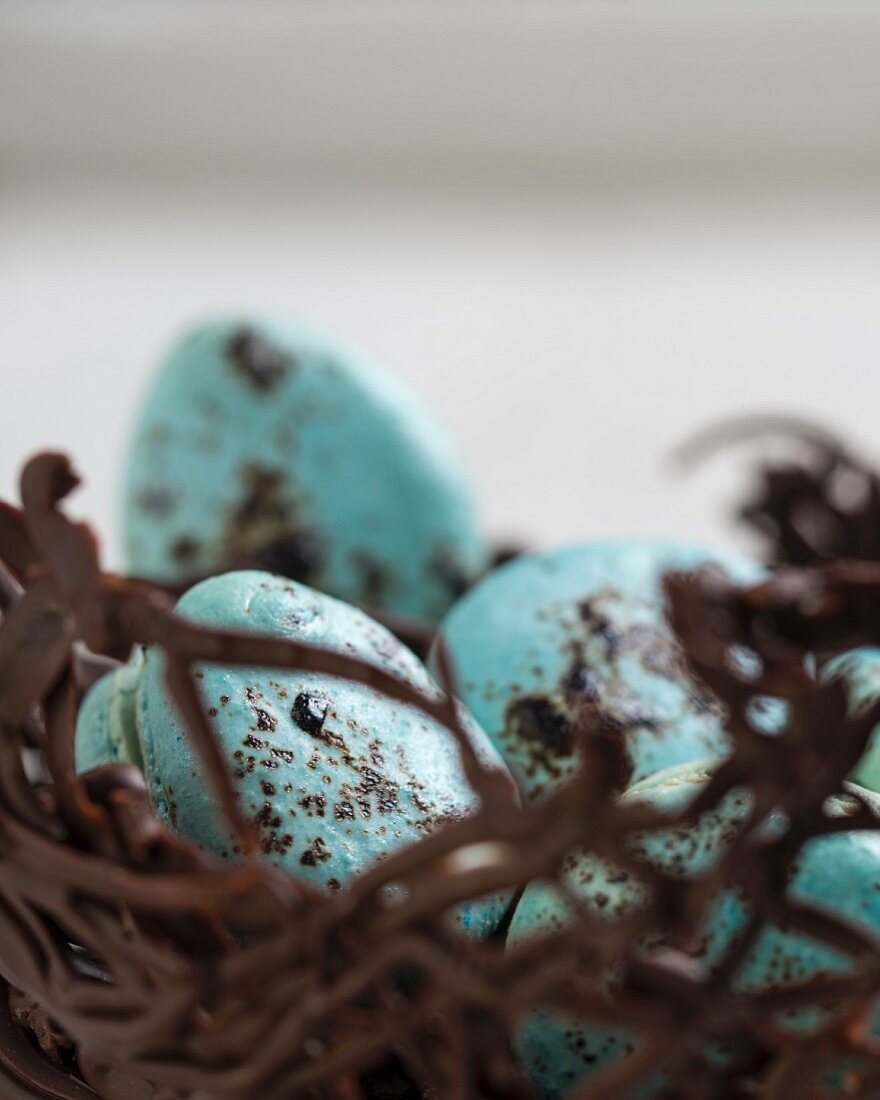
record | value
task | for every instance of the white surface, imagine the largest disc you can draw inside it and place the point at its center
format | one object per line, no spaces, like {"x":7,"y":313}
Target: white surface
{"x":577,"y":264}
{"x":570,"y":347}
{"x":543,"y":87}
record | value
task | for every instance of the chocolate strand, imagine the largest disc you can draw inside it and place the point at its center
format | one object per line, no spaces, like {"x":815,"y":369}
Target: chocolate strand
{"x":824,"y":507}
{"x":177,"y":978}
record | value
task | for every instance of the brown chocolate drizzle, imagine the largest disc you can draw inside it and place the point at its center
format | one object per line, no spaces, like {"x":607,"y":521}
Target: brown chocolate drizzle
{"x":825,"y":506}
{"x":140,"y":968}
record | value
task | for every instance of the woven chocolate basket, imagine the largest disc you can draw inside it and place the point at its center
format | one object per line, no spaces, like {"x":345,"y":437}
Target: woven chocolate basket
{"x":137,"y":967}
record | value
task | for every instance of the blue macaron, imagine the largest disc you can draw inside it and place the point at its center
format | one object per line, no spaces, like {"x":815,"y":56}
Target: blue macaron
{"x":838,"y":873}
{"x":333,"y":775}
{"x":541,"y":635}
{"x":264,"y":443}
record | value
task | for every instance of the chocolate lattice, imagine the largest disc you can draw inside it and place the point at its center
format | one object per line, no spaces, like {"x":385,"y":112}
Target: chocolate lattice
{"x":138,"y":968}
{"x":813,"y":510}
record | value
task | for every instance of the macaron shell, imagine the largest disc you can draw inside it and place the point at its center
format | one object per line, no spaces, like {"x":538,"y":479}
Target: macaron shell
{"x":333,"y":775}
{"x":539,"y":636}
{"x":839,"y":873}
{"x":96,"y":743}
{"x":264,"y":441}
{"x":106,"y":730}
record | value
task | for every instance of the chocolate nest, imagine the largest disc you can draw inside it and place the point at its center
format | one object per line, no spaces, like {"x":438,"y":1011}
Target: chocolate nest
{"x":135,"y":967}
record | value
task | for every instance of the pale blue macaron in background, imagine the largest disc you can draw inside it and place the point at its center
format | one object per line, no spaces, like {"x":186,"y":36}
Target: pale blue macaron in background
{"x":333,"y":775}
{"x":264,"y":443}
{"x":539,"y":636}
{"x":838,"y":873}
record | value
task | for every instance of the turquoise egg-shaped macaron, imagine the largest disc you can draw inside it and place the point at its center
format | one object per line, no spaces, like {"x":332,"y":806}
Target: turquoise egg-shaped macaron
{"x":266,"y":444}
{"x":333,"y":775}
{"x":541,"y":635}
{"x":838,"y":873}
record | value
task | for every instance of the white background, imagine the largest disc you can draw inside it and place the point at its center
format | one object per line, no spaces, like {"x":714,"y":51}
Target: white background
{"x":581,"y":230}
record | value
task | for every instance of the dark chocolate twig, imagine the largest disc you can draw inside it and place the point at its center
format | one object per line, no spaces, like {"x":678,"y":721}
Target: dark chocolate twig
{"x":172,"y":975}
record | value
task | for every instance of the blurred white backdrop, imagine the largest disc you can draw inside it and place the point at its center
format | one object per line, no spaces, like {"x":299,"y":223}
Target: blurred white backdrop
{"x":581,"y":230}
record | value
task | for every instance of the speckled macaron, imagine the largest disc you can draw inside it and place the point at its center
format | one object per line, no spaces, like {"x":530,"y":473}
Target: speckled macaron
{"x":538,"y":637}
{"x":839,"y":873}
{"x":333,"y":774}
{"x":266,"y":444}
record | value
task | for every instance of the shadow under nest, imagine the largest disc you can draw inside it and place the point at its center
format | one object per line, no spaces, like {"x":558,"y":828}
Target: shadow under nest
{"x":135,"y":967}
